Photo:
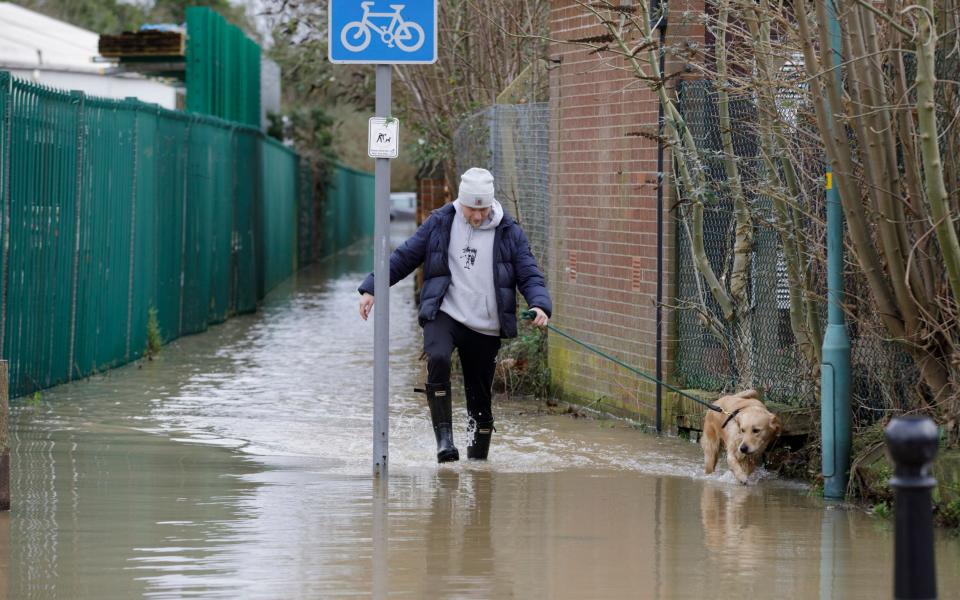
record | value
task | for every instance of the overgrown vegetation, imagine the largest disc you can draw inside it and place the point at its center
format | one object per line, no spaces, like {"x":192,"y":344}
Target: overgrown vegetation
{"x":154,"y":337}
{"x":522,"y":367}
{"x":871,"y":472}
{"x":873,"y":489}
{"x":35,"y":400}
{"x":948,"y":514}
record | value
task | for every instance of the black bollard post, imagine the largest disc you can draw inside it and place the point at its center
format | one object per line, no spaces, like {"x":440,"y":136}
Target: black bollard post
{"x":912,"y":443}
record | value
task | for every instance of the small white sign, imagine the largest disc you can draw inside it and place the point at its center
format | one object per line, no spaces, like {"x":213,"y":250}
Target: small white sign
{"x":384,"y":137}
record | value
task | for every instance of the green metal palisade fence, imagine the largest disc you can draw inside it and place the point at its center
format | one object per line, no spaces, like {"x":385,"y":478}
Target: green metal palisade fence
{"x":307,"y":241}
{"x":348,"y":210}
{"x":280,"y":178}
{"x":111,"y":208}
{"x":223,"y":68}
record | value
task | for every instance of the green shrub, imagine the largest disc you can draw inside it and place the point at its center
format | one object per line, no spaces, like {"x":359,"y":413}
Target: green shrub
{"x":949,"y":514}
{"x":522,"y":366}
{"x":154,"y":339}
{"x":882,"y":510}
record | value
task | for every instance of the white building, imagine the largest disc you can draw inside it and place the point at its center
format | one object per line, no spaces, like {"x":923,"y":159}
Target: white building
{"x":38,"y":48}
{"x":269,"y":90}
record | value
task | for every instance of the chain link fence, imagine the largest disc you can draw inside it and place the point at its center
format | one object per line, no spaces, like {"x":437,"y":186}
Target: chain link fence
{"x":703,"y":360}
{"x":512,"y":142}
{"x":881,"y":373}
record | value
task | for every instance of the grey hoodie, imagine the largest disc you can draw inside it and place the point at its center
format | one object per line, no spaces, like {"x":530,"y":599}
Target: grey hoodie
{"x":471,"y":298}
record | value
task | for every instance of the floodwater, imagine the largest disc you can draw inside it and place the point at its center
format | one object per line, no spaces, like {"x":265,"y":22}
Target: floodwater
{"x":238,"y":465}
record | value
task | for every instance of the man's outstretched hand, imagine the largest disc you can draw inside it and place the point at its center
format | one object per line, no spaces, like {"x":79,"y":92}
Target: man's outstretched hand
{"x":540,"y":318}
{"x":366,"y":305}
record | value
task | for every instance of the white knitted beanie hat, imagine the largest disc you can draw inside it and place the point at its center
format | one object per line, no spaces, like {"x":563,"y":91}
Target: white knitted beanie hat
{"x":476,"y":188}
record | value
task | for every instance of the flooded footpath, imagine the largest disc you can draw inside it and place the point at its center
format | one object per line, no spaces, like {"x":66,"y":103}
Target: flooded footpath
{"x":237,"y":465}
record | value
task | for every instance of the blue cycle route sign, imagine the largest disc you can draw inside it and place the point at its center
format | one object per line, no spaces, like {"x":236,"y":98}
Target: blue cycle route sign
{"x":383,"y":32}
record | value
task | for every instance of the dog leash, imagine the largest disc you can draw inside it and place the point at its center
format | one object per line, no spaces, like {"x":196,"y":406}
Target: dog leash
{"x":528,"y":315}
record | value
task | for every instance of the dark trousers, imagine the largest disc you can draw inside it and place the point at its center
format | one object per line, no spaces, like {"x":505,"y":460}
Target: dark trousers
{"x":478,"y":359}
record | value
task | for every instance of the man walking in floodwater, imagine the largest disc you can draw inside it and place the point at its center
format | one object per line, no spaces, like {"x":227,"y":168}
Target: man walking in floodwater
{"x":475,"y":258}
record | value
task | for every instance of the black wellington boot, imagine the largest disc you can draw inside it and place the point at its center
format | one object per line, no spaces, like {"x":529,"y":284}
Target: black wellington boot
{"x":480,"y":433}
{"x":441,"y":413}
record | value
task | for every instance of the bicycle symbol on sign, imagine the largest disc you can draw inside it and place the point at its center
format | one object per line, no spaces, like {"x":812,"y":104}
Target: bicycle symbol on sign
{"x":407,"y":35}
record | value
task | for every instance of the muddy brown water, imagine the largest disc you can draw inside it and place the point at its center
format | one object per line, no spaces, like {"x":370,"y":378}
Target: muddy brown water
{"x":237,"y":465}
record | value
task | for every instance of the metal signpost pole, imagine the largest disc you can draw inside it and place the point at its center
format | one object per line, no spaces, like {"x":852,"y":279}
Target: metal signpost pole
{"x":381,"y":273}
{"x":375,"y":32}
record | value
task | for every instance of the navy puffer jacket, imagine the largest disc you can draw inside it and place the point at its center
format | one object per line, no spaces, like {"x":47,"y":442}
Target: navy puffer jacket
{"x":513,"y":267}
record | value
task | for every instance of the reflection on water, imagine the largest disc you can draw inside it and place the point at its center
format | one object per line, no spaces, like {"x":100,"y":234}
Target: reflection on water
{"x":238,"y":465}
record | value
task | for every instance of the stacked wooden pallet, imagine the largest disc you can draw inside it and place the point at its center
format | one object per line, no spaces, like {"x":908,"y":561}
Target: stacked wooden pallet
{"x":143,"y":43}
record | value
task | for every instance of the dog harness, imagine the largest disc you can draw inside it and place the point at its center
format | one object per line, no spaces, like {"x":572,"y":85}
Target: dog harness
{"x":730,"y":417}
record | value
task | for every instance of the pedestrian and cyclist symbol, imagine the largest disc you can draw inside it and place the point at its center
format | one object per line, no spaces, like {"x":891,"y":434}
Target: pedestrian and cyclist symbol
{"x":380,"y":32}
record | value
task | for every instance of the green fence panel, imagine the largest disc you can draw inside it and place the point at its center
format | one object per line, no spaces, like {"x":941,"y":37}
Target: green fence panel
{"x":145,"y":213}
{"x":246,"y":203}
{"x":104,"y":259}
{"x":198,"y":229}
{"x":42,"y":197}
{"x":223,"y":68}
{"x":307,"y":217}
{"x":348,"y":211}
{"x":6,"y":106}
{"x":112,"y":209}
{"x":221,"y":201}
{"x":348,"y":205}
{"x":280,"y":169}
{"x":169,"y":205}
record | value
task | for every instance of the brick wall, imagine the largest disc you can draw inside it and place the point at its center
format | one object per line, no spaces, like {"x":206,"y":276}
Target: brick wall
{"x":603,"y":253}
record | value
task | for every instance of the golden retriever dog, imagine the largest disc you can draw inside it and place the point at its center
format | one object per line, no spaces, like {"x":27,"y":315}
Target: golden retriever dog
{"x":745,"y":428}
